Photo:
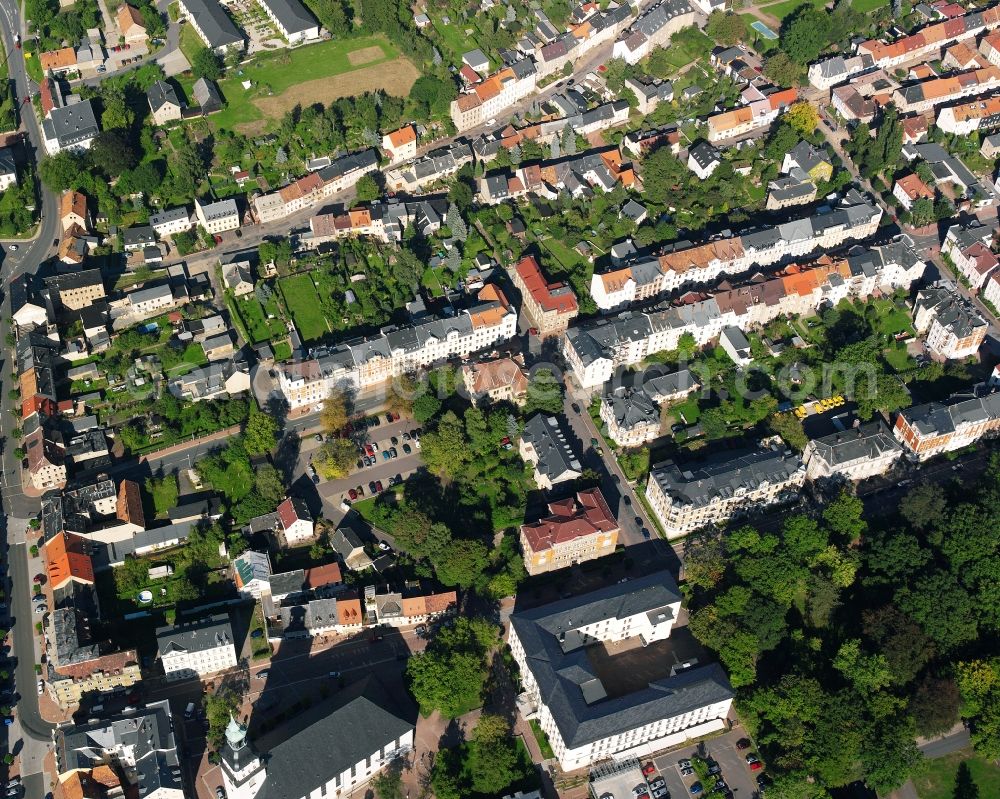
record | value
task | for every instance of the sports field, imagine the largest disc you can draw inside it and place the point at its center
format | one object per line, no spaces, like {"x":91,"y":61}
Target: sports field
{"x":314,"y":73}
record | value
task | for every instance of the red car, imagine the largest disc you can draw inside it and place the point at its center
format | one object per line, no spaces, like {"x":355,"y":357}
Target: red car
{"x":648,"y":770}
{"x":378,"y":487}
{"x":368,"y":450}
{"x":352,"y":494}
{"x":756,"y":766}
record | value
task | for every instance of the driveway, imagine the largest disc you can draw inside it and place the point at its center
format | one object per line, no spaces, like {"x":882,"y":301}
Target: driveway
{"x":723,"y":751}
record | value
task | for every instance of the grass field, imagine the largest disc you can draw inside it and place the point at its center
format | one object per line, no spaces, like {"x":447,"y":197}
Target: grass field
{"x":302,"y":302}
{"x":687,"y":45}
{"x":783,"y":9}
{"x":899,"y":359}
{"x":939,"y":780}
{"x":453,"y":40}
{"x":316,"y":73}
{"x":190,"y":43}
{"x":258,"y":327}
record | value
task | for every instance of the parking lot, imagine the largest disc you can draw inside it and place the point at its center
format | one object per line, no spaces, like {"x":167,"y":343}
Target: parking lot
{"x":722,"y":750}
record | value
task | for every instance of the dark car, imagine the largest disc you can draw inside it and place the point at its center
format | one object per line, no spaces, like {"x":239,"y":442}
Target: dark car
{"x":378,"y":487}
{"x":575,"y":407}
{"x":743,"y":743}
{"x":372,"y":487}
{"x":407,"y":449}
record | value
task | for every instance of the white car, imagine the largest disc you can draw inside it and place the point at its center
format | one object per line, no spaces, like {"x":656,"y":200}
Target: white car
{"x":41,"y":687}
{"x":384,"y":546}
{"x":41,"y":608}
{"x":491,"y":122}
{"x":12,"y":247}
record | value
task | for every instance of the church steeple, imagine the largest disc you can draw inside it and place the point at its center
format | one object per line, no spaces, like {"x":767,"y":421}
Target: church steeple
{"x":242,"y":771}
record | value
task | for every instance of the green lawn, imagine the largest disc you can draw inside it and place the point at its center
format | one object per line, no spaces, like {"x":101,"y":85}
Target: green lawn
{"x":258,"y":327}
{"x":285,"y":69}
{"x":893,"y":318}
{"x":870,"y":5}
{"x":687,"y":45}
{"x":190,"y":42}
{"x":899,"y":359}
{"x":452,"y":39}
{"x":303,"y":304}
{"x":542,"y":739}
{"x":282,"y":350}
{"x":783,"y":9}
{"x":939,"y":780}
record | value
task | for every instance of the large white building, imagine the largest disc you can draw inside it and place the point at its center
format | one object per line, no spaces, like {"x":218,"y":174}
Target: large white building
{"x":198,"y":648}
{"x":689,"y":497}
{"x":702,"y":264}
{"x":498,"y":92}
{"x":951,"y":325}
{"x":653,"y":29}
{"x":566,"y":695}
{"x":398,"y":351}
{"x":291,"y":19}
{"x":595,"y":351}
{"x":218,"y":217}
{"x":330,"y":750}
{"x":857,"y":453}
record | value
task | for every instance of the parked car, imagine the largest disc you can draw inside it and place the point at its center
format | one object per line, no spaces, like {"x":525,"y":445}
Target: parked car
{"x":695,"y":788}
{"x":220,"y":793}
{"x":394,"y":441}
{"x":263,"y":674}
{"x":352,"y":494}
{"x":743,"y":743}
{"x":41,"y":608}
{"x":372,"y":487}
{"x":334,"y":674}
{"x":393,"y":453}
{"x":752,"y":758}
{"x":41,"y":687}
{"x":378,"y":486}
{"x":384,"y":546}
{"x":407,"y":449}
{"x":386,"y":455}
{"x":756,"y":766}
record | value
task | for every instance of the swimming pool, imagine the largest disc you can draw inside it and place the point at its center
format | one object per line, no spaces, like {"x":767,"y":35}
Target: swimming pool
{"x":763,"y":30}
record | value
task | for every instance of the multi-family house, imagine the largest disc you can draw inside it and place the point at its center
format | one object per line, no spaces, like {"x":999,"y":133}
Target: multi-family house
{"x":832,"y":71}
{"x":695,"y":495}
{"x":212,"y":24}
{"x":938,"y":427}
{"x":295,"y":520}
{"x":922,"y":96}
{"x":950,"y":324}
{"x":195,"y":649}
{"x":413,"y":607}
{"x":171,"y":222}
{"x":401,"y":144}
{"x":585,"y":720}
{"x":501,"y":379}
{"x":70,"y":128}
{"x":494,"y":94}
{"x":968,"y":248}
{"x":577,"y":529}
{"x":217,"y":217}
{"x":851,"y":454}
{"x":163,"y":102}
{"x":292,"y":19}
{"x":653,"y":28}
{"x":982,"y":114}
{"x":548,"y":307}
{"x":544,"y":445}
{"x":759,"y":111}
{"x":632,"y":413}
{"x":910,"y":188}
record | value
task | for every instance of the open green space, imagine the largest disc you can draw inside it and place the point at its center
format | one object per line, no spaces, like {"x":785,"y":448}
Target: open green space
{"x":282,"y":350}
{"x":938,"y":781}
{"x":452,"y":39}
{"x":542,"y":739}
{"x":892,"y":318}
{"x":870,"y":5}
{"x":303,"y":304}
{"x":687,"y":45}
{"x":296,"y":72}
{"x":254,"y":318}
{"x":783,"y":9}
{"x":190,"y":42}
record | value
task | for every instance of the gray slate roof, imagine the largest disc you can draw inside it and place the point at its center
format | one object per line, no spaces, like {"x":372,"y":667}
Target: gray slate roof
{"x":555,"y":458}
{"x":292,"y":15}
{"x":200,"y":635}
{"x":870,"y":440}
{"x":71,"y":124}
{"x":568,"y":683}
{"x":218,"y":28}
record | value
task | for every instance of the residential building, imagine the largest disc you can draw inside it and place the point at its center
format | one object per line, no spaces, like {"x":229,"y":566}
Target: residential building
{"x":315,"y":582}
{"x":315,"y":187}
{"x":832,"y":71}
{"x":928,"y":41}
{"x":163,"y":101}
{"x":74,"y":291}
{"x":990,"y":148}
{"x":437,"y":165}
{"x":238,"y":278}
{"x":296,"y":521}
{"x":403,"y":610}
{"x":131,"y":25}
{"x":578,"y":176}
{"x":206,"y":94}
{"x":854,"y":453}
{"x":502,"y":380}
{"x":347,"y":543}
{"x":938,"y":427}
{"x":8,"y":169}
{"x":72,"y":128}
{"x":951,"y":325}
{"x":338,"y":616}
{"x":979,"y":114}
{"x":922,"y":96}
{"x":968,"y":248}
{"x":58,"y":62}
{"x":650,"y":94}
{"x":397,"y":351}
{"x":195,"y":649}
{"x":137,"y":746}
{"x":27,"y":309}
{"x":212,"y":24}
{"x":149,"y":301}
{"x":631,"y":414}
{"x":952,"y":172}
{"x":494,"y":94}
{"x":720,"y":487}
{"x":73,"y":210}
{"x":331,"y":749}
{"x":171,"y":222}
{"x":910,"y":188}
{"x":734,"y":343}
{"x":543,"y":444}
{"x":218,"y":217}
{"x":548,"y":307}
{"x":138,"y":238}
{"x":401,"y":144}
{"x":759,"y":111}
{"x":292,"y":20}
{"x":587,"y":722}
{"x":67,"y":561}
{"x":46,"y":458}
{"x":703,"y":159}
{"x":252,"y":574}
{"x":577,"y":529}
{"x":653,"y":28}
{"x":687,"y":264}
{"x":228,"y":378}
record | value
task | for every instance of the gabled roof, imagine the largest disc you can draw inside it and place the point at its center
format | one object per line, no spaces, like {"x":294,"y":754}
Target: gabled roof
{"x":586,"y":514}
{"x":292,"y":510}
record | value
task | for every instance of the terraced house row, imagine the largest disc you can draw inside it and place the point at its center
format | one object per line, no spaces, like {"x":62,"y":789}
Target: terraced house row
{"x":595,"y":351}
{"x":691,"y":265}
{"x":398,"y":350}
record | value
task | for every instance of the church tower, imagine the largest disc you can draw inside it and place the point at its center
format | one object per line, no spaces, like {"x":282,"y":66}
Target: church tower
{"x":243,"y":773}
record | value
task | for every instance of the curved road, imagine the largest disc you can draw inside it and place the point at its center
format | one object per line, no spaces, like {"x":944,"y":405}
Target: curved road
{"x":36,"y":733}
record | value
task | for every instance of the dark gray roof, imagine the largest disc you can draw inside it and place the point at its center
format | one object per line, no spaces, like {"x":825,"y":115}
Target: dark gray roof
{"x":196,"y":636}
{"x":555,"y":458}
{"x":147,"y":734}
{"x":704,"y":154}
{"x":161,"y":93}
{"x":935,"y":418}
{"x":285,"y":583}
{"x":723,"y":475}
{"x":568,"y":683}
{"x":348,"y":164}
{"x":870,"y":440}
{"x":215,"y":23}
{"x":144,"y":234}
{"x":71,"y":124}
{"x":8,"y":166}
{"x":330,"y":738}
{"x":206,"y":92}
{"x":291,"y":15}
{"x":951,"y":310}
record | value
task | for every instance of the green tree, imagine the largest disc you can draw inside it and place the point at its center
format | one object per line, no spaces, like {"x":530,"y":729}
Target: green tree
{"x":61,"y":171}
{"x":545,"y":393}
{"x":805,"y":33}
{"x":261,"y":432}
{"x":425,"y":407}
{"x":462,"y":564}
{"x":922,"y":212}
{"x":333,"y":417}
{"x":334,"y":459}
{"x":219,"y":707}
{"x":449,"y":676}
{"x":269,"y":484}
{"x":493,"y":761}
{"x":206,"y":64}
{"x":117,"y":113}
{"x":726,"y":27}
{"x":782,"y":70}
{"x":965,"y":786}
{"x":367,"y":189}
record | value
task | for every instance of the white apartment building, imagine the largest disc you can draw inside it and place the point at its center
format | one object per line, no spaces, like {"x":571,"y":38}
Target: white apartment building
{"x":836,"y":70}
{"x":145,"y":302}
{"x":394,"y":351}
{"x":952,"y":327}
{"x":495,"y":94}
{"x":968,"y":247}
{"x":582,"y":723}
{"x":315,"y":187}
{"x":709,"y":262}
{"x":653,"y":29}
{"x":938,"y":427}
{"x":196,"y":649}
{"x":596,"y":350}
{"x":292,"y":20}
{"x":856,"y":453}
{"x":721,"y":487}
{"x":170,"y":222}
{"x":218,"y":217}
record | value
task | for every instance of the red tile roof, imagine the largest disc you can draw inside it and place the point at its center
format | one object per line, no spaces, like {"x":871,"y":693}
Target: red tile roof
{"x":67,"y":559}
{"x":571,"y":518}
{"x":550,"y":296}
{"x":318,"y":576}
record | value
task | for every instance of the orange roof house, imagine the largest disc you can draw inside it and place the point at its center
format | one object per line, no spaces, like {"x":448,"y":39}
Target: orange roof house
{"x":349,"y":611}
{"x":61,"y":59}
{"x":129,"y":508}
{"x":130,"y":23}
{"x":67,"y":559}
